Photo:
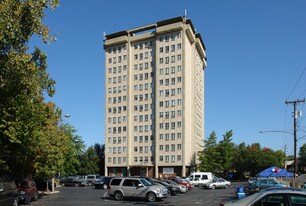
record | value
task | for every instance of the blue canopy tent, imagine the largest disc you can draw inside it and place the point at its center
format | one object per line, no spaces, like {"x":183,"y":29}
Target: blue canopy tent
{"x":274,"y":172}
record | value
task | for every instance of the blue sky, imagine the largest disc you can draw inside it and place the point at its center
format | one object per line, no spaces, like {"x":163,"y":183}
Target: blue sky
{"x":256,"y":54}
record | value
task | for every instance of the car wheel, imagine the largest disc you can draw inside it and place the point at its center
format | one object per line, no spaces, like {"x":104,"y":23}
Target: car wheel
{"x":35,"y":196}
{"x":151,"y":197}
{"x":213,"y":187}
{"x":27,"y":200}
{"x":105,"y":186}
{"x":15,"y":203}
{"x":118,"y":195}
{"x":226,"y":186}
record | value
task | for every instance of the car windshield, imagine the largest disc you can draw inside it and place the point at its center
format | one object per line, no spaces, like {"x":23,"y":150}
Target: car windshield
{"x":145,"y":182}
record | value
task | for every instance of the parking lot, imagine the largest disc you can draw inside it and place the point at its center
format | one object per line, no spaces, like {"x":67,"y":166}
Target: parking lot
{"x":90,"y":196}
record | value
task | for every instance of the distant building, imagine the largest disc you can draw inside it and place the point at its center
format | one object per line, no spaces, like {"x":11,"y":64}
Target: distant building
{"x":154,"y":104}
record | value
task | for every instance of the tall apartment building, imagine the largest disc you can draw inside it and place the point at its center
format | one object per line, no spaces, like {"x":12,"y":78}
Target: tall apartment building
{"x":154,"y":86}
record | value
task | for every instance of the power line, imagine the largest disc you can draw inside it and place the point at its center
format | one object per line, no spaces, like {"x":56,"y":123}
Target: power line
{"x":296,"y":83}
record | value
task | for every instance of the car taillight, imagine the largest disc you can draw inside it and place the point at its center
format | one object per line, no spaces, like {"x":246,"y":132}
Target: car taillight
{"x":108,"y":187}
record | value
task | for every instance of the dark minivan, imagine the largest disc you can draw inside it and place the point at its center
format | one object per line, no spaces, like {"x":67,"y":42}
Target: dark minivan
{"x":9,"y":194}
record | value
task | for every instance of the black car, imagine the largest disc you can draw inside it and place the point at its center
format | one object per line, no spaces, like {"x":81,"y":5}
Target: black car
{"x":72,"y":181}
{"x":9,"y":194}
{"x":102,"y":182}
{"x":172,"y":189}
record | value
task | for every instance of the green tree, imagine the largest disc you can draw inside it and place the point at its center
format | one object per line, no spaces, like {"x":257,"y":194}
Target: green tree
{"x":24,"y":117}
{"x":100,"y":148}
{"x":226,"y":152}
{"x":302,"y":155}
{"x":74,"y":152}
{"x":252,"y":159}
{"x":89,"y":162}
{"x":209,"y":154}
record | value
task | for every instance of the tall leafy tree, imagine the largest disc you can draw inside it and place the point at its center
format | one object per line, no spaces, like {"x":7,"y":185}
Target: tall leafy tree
{"x":23,"y":81}
{"x":226,"y":152}
{"x":209,"y":154}
{"x":75,"y":150}
{"x":89,"y":162}
{"x":302,"y":155}
{"x":100,"y":148}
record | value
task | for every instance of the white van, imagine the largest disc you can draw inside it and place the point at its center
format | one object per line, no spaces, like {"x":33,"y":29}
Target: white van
{"x":200,"y":178}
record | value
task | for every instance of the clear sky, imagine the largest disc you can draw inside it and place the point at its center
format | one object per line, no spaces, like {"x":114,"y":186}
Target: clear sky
{"x":256,"y":54}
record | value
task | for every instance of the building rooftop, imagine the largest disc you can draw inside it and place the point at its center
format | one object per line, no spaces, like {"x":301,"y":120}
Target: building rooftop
{"x":155,"y":25}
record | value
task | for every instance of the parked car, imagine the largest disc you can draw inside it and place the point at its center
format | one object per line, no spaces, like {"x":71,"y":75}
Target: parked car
{"x":133,"y":187}
{"x":73,"y":181}
{"x":91,"y":179}
{"x":182,"y":188}
{"x":171,"y":188}
{"x":200,"y":178}
{"x":251,"y":180}
{"x":265,"y":182}
{"x":270,"y":197}
{"x":27,"y":191}
{"x":217,"y":183}
{"x":9,"y":194}
{"x":180,"y":181}
{"x":102,"y":182}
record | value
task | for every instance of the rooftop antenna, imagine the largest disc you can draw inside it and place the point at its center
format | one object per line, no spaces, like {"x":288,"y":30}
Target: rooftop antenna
{"x":185,"y":13}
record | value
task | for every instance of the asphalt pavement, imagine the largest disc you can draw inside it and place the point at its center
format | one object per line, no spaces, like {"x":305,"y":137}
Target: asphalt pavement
{"x":72,"y":196}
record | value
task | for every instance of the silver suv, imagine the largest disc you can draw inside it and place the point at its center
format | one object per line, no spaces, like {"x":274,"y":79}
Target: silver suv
{"x":133,"y":187}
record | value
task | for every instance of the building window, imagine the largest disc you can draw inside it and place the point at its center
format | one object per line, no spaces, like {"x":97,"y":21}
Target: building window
{"x":172,"y":147}
{"x":173,"y":48}
{"x":172,"y":59}
{"x":172,"y":158}
{"x":167,"y":60}
{"x":167,"y":49}
{"x":179,"y":57}
{"x":161,"y":158}
{"x":161,"y":125}
{"x":179,"y":68}
{"x":161,"y":60}
{"x":161,"y":147}
{"x":179,"y":158}
{"x":166,"y":158}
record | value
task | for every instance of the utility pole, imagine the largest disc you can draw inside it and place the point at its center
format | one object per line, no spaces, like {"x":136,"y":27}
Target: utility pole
{"x":295,"y":115}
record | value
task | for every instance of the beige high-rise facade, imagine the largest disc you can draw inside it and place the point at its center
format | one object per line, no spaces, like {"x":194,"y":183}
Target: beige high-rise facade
{"x":154,"y":105}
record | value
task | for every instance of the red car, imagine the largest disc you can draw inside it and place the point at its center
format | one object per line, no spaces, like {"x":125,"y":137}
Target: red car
{"x":27,"y":191}
{"x":180,"y":181}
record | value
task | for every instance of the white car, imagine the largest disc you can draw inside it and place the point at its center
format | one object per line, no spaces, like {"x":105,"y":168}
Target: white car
{"x":272,"y":196}
{"x":217,"y":183}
